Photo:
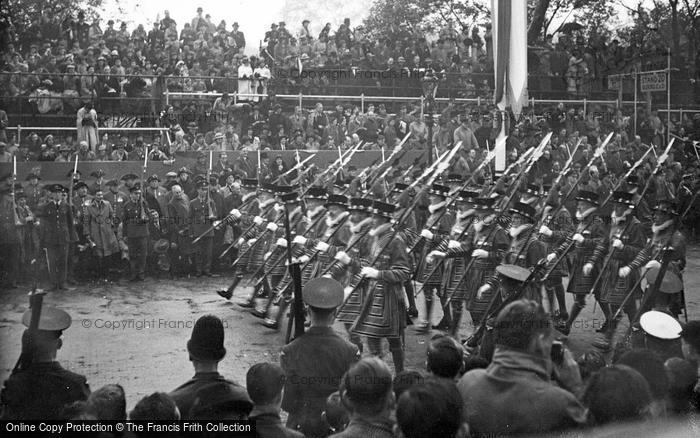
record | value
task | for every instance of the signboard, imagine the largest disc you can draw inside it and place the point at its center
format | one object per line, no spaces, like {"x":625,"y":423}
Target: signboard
{"x":653,"y":81}
{"x":614,"y":82}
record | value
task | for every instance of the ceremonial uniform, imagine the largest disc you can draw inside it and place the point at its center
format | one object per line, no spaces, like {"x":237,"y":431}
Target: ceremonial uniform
{"x":117,"y":201}
{"x":202,"y":215}
{"x":56,"y":233}
{"x":336,"y":235}
{"x":135,"y":219}
{"x":561,"y":226}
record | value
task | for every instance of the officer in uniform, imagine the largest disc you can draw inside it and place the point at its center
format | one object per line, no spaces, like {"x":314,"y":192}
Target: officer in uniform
{"x":202,"y":215}
{"x":115,"y":198}
{"x":39,"y":388}
{"x":56,"y":231}
{"x":135,"y":219}
{"x":320,"y":356}
{"x":34,"y":191}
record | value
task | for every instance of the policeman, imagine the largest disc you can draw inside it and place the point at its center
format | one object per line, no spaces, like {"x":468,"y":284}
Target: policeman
{"x":315,"y":362}
{"x":661,"y":334}
{"x":135,"y":219}
{"x":40,"y":387}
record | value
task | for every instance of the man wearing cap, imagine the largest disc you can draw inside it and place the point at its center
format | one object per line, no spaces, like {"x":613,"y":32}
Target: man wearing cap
{"x":185,"y":182}
{"x":437,"y":228}
{"x":56,"y":232}
{"x":320,"y":356}
{"x":203,"y":212}
{"x":206,"y":349}
{"x":115,"y":198}
{"x":661,"y":333}
{"x":135,"y":219}
{"x":178,"y":220}
{"x":99,"y":182}
{"x":99,"y":220}
{"x":622,"y":243}
{"x":34,"y":190}
{"x":39,"y":388}
{"x":376,"y":305}
{"x":588,"y":234}
{"x":664,"y":235}
{"x":129,"y":180}
{"x":155,"y":195}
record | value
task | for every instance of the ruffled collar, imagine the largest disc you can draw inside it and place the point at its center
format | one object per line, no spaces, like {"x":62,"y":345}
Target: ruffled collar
{"x":436,"y":207}
{"x":267,"y":203}
{"x":330,"y":223}
{"x":378,"y":231}
{"x":247,"y":196}
{"x":312,"y":214}
{"x":358,"y":227}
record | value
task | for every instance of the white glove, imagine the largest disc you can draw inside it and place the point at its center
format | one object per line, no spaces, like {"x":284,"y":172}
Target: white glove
{"x":267,"y":255}
{"x":577,"y":238}
{"x":482,"y":290}
{"x":347,"y":291}
{"x":281,"y":242}
{"x":257,"y":220}
{"x":252,"y":241}
{"x":272,"y":226}
{"x":240,"y":242}
{"x":304,"y":259}
{"x":587,"y":269}
{"x":436,"y":254}
{"x":617,"y":244}
{"x":480,"y":253}
{"x":624,"y":271}
{"x":216,"y":224}
{"x":343,"y":257}
{"x":453,"y":244}
{"x":551,"y":257}
{"x":544,"y":229}
{"x":235,"y":213}
{"x":369,"y":272}
{"x":426,"y":234}
{"x":299,"y":240}
{"x":652,"y":265}
{"x":322,"y":246}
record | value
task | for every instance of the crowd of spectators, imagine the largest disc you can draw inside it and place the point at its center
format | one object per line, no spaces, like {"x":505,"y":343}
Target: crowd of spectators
{"x":459,"y":393}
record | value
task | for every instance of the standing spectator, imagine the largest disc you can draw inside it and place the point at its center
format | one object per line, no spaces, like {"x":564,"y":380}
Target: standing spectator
{"x":135,"y":219}
{"x":98,"y":230}
{"x":465,"y":134}
{"x":265,"y":382}
{"x":498,"y":400}
{"x":206,"y":350}
{"x":321,"y":356}
{"x":245,"y":80}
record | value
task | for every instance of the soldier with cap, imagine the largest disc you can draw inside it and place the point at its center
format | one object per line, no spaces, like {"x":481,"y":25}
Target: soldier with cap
{"x":99,"y":182}
{"x":437,"y":228}
{"x":588,"y":234}
{"x":320,"y":356}
{"x":115,"y":197}
{"x":39,"y":388}
{"x":34,"y":190}
{"x":135,"y":220}
{"x":376,"y":305}
{"x":622,"y":243}
{"x":56,"y":232}
{"x":79,"y":256}
{"x":184,"y":181}
{"x":203,"y":213}
{"x":155,"y":195}
{"x":206,"y":349}
{"x":129,"y":181}
{"x":666,"y":241}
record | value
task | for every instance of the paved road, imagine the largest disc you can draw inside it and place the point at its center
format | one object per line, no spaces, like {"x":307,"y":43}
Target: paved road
{"x":136,"y":335}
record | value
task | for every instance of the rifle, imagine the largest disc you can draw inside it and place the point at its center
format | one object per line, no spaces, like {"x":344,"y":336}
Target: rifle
{"x":297,"y":166}
{"x":298,"y":306}
{"x":228,"y":218}
{"x":36,"y":300}
{"x":242,"y":238}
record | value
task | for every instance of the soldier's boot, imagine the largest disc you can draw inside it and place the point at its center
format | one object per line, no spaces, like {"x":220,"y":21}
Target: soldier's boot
{"x":411,"y":296}
{"x":456,"y":318}
{"x":397,"y":355}
{"x":607,"y":312}
{"x":428,"y":309}
{"x":273,"y":322}
{"x":560,"y":295}
{"x":266,"y":293}
{"x":446,"y":321}
{"x":228,"y":293}
{"x":575,"y":311}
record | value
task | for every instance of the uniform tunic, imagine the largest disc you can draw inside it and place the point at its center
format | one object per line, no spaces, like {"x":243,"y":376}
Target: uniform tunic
{"x":593,"y":233}
{"x":379,"y":311}
{"x":494,"y":240}
{"x":336,"y":234}
{"x":456,"y":262}
{"x":439,"y":223}
{"x":562,"y":226}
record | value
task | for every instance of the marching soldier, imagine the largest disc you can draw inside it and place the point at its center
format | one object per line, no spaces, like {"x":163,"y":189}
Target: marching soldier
{"x":457,"y":256}
{"x":621,"y":244}
{"x":382,"y":267}
{"x":40,"y":388}
{"x":135,"y":219}
{"x":56,"y":232}
{"x":589,"y":233}
{"x":437,"y":228}
{"x":402,"y":196}
{"x":486,"y":246}
{"x":203,"y":213}
{"x":664,"y":235}
{"x":642,"y":211}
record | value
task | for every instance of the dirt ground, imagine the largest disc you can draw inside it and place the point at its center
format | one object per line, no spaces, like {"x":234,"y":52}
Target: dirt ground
{"x":136,"y":334}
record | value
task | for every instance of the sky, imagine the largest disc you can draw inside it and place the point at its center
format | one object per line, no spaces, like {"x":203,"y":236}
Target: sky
{"x":253,"y":16}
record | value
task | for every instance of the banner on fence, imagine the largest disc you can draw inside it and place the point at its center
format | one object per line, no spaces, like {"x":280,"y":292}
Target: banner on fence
{"x":653,"y":81}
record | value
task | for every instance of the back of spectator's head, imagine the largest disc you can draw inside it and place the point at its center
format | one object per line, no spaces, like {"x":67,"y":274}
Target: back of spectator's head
{"x":158,"y":406}
{"x":207,"y":341}
{"x":590,"y":362}
{"x":336,"y":415}
{"x":432,"y":408}
{"x":617,"y":393}
{"x":108,"y":403}
{"x":265,"y":382}
{"x":474,"y":362}
{"x":649,"y":365}
{"x":404,"y":380}
{"x":520,"y":323}
{"x":366,"y":387}
{"x":445,"y":357}
{"x":221,"y":400}
{"x":691,"y":340}
{"x":683,"y":376}
{"x":78,"y":410}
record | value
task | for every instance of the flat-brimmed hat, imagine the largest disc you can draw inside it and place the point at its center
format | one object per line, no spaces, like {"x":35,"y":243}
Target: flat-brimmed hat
{"x":361,"y":204}
{"x":667,"y":206}
{"x":129,"y":176}
{"x":533,"y":190}
{"x":51,"y":319}
{"x":316,"y":193}
{"x":399,"y":187}
{"x":523,"y":209}
{"x":339,"y":200}
{"x":153,"y":178}
{"x":439,"y":190}
{"x":588,"y":196}
{"x":383,"y":209}
{"x":485,"y":204}
{"x":289,"y":198}
{"x":620,"y":197}
{"x":249,"y":183}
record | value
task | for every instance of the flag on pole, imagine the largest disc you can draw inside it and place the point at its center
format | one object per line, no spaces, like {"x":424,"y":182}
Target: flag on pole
{"x":510,"y":64}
